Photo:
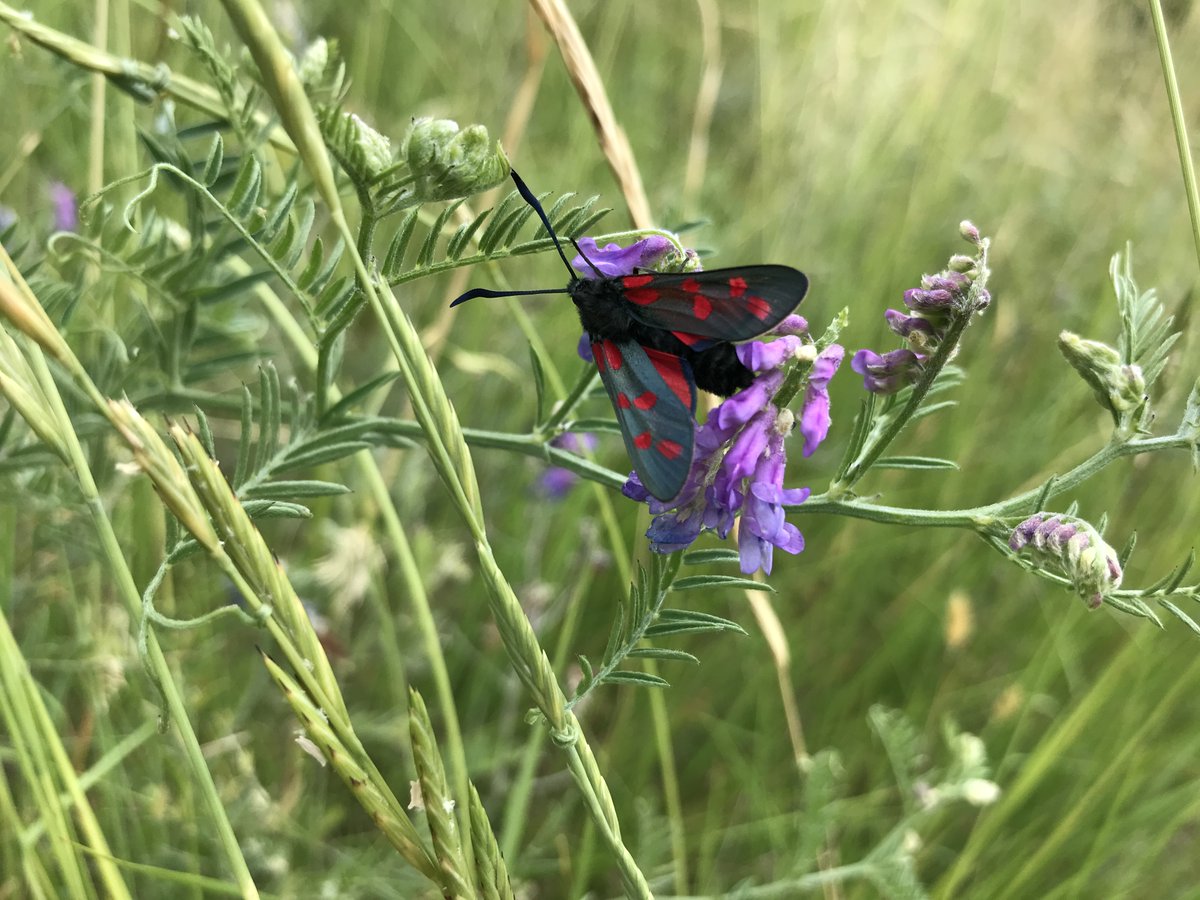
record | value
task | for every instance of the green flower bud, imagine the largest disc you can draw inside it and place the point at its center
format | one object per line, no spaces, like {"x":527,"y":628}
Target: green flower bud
{"x":313,"y":62}
{"x":1119,"y":387}
{"x":448,"y":163}
{"x":376,"y":149}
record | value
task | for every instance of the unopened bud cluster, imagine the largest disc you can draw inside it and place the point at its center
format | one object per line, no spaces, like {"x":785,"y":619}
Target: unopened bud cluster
{"x":931,"y":309}
{"x":1075,"y":548}
{"x":1119,"y":387}
{"x":448,"y":162}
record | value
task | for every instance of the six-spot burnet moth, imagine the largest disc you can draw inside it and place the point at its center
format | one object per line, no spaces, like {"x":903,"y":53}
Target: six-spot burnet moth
{"x":657,"y":336}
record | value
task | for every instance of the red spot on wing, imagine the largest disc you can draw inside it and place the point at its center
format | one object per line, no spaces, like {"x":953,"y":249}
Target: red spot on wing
{"x":636,"y":290}
{"x":689,"y":339}
{"x":701,"y":307}
{"x":612,"y":355}
{"x":669,"y":449}
{"x":759,"y":308}
{"x":737,"y":286}
{"x":645,"y":400}
{"x":622,"y":401}
{"x":670,"y":369}
{"x":642,"y":296}
{"x":643,"y":440}
{"x":692,"y":286}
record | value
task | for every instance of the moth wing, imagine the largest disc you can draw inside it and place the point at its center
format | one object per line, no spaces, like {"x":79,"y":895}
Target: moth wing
{"x":654,"y":396}
{"x":720,"y":304}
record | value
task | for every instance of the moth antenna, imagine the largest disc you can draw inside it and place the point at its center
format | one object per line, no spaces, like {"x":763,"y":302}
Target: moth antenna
{"x":527,"y":196}
{"x":485,"y":292}
{"x":575,"y":244}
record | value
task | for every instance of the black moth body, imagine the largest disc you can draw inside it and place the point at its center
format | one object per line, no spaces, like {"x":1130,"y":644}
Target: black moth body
{"x":604,"y":315}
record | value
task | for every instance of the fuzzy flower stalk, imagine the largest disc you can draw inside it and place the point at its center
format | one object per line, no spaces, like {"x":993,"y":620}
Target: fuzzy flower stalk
{"x":1073,"y":547}
{"x":932,"y":310}
{"x":739,"y":462}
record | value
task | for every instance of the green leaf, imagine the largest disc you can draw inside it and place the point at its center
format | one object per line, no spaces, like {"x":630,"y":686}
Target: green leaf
{"x":707,"y":557}
{"x":1186,"y":567}
{"x":319,"y":455}
{"x":205,"y":432}
{"x":393,"y":262}
{"x":701,"y":582}
{"x":212,"y":165}
{"x":667,"y":629}
{"x":313,"y":488}
{"x":663,"y":653}
{"x":425,"y":257}
{"x":1181,"y":615}
{"x":462,"y":237}
{"x":356,"y":396}
{"x":626,"y":677}
{"x":275,"y":509}
{"x":915,"y":462}
{"x":691,"y":616}
{"x":246,"y":190}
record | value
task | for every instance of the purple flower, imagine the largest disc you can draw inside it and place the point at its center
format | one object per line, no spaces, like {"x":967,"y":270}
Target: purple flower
{"x":556,"y":482}
{"x":904,"y":325}
{"x":66,"y":212}
{"x":762,"y":356}
{"x":814,"y":418}
{"x":888,"y":373}
{"x":739,"y":460}
{"x":613,"y":260}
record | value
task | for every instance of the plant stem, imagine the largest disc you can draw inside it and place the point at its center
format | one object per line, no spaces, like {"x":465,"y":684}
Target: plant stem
{"x":1180,"y":125}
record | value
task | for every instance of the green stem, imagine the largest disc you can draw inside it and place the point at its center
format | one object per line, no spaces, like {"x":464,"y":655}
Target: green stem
{"x":1177,"y":120}
{"x":876,"y":447}
{"x":980,"y":517}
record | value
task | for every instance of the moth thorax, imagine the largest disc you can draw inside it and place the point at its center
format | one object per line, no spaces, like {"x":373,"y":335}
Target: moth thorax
{"x":602,"y":308}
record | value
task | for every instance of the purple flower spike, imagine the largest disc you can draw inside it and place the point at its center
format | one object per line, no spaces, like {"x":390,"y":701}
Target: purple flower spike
{"x":888,"y":373}
{"x":815,"y":419}
{"x":613,"y":260}
{"x":66,"y":212}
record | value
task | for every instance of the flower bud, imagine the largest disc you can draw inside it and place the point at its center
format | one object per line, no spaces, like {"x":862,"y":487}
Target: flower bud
{"x":1119,"y":387}
{"x":1075,"y":548}
{"x":886,"y":373}
{"x":375,"y":148}
{"x":969,"y":232}
{"x":448,"y":163}
{"x":961,"y":263}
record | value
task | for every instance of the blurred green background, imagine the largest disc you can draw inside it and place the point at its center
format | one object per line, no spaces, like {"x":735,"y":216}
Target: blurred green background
{"x":849,"y":140}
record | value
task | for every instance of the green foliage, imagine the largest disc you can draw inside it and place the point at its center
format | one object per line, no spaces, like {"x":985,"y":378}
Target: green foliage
{"x":187,"y":283}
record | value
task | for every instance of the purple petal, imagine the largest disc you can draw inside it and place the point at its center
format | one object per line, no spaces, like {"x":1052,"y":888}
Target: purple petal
{"x":814,"y":418}
{"x":66,"y":213}
{"x":669,"y":533}
{"x":761,"y":356}
{"x":746,"y":403}
{"x":793,"y":324}
{"x":613,"y":260}
{"x":904,"y":325}
{"x":556,"y":482}
{"x":585,"y":348}
{"x":888,"y":373}
{"x":634,"y":489}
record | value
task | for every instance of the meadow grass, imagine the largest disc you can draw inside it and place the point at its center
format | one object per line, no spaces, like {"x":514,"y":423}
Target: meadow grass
{"x":848,"y":140}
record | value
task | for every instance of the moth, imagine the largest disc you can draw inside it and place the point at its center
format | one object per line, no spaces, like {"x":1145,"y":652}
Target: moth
{"x":658,"y":336}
